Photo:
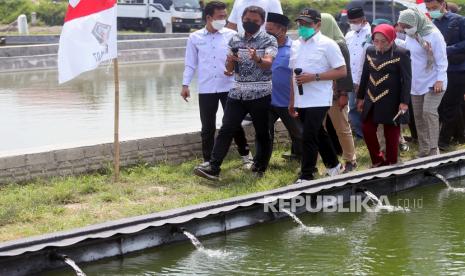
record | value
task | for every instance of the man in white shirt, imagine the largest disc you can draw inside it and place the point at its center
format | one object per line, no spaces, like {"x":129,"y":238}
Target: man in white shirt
{"x":206,"y":52}
{"x":320,"y":61}
{"x":235,"y":19}
{"x":356,"y":40}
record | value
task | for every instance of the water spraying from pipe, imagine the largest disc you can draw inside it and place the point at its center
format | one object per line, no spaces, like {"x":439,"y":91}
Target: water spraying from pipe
{"x":211,"y":253}
{"x":67,"y":260}
{"x":313,"y":230}
{"x":193,"y":240}
{"x":379,"y":205}
{"x":445,"y":181}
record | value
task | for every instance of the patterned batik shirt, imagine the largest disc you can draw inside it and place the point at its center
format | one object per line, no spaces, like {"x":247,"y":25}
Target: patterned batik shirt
{"x":252,"y":82}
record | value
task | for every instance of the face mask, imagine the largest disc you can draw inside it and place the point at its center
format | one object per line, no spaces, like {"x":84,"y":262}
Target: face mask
{"x":436,"y":14}
{"x":401,"y":36}
{"x":306,"y":32}
{"x":411,"y":31}
{"x":251,"y":27}
{"x":355,"y":27}
{"x":218,"y":24}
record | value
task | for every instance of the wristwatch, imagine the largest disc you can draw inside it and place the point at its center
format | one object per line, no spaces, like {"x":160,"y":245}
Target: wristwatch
{"x":317,"y":77}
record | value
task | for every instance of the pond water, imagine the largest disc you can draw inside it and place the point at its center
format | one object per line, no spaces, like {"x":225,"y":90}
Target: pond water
{"x":37,"y":113}
{"x":427,"y":240}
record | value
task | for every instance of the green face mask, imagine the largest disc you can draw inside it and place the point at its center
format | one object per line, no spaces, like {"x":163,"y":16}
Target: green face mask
{"x":436,"y":14}
{"x":306,"y":32}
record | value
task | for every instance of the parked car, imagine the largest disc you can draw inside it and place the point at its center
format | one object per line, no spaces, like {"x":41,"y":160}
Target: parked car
{"x":155,"y":15}
{"x":383,"y":9}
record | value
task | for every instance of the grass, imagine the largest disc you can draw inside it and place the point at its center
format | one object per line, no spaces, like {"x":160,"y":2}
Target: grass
{"x":63,"y":203}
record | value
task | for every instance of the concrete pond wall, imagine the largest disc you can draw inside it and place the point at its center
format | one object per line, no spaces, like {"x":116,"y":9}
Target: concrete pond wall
{"x":50,"y":39}
{"x":131,"y":49}
{"x":45,"y":56}
{"x":80,"y":160}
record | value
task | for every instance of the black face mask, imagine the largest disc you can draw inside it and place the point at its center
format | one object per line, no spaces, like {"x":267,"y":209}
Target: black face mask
{"x":250,"y":27}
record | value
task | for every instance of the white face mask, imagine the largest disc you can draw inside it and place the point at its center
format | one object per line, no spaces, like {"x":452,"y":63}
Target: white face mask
{"x":355,"y":27}
{"x":218,"y":24}
{"x":411,"y":32}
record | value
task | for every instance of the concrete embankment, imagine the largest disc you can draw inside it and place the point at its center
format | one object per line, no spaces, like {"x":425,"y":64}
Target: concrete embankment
{"x":12,"y":40}
{"x":44,"y":56}
{"x":20,"y":167}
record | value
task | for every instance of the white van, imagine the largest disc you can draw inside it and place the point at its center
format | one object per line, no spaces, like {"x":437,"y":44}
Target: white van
{"x":156,"y":14}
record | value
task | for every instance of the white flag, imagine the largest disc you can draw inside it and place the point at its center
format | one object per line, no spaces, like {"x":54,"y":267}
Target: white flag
{"x":88,"y":37}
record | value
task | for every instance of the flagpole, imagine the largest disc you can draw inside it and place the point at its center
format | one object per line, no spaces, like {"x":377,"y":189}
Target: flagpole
{"x":116,"y":158}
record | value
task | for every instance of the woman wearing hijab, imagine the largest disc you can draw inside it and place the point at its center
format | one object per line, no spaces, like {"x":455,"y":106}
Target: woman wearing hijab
{"x":384,"y":93}
{"x":339,"y":111}
{"x":429,"y":79}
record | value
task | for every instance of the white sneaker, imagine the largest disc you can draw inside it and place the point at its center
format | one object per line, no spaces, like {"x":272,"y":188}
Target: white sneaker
{"x":247,"y":120}
{"x":339,"y":169}
{"x":247,"y":161}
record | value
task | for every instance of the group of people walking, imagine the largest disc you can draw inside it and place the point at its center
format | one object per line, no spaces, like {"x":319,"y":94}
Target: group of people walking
{"x":370,"y":83}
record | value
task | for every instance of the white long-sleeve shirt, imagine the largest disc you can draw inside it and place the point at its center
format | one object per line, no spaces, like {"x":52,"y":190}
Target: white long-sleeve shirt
{"x":240,"y":5}
{"x":206,"y":52}
{"x":355,"y":42}
{"x":422,"y":79}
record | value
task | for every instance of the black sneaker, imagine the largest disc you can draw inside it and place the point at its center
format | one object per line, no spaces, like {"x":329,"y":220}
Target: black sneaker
{"x":350,"y":166}
{"x":207,"y":172}
{"x":443,"y":146}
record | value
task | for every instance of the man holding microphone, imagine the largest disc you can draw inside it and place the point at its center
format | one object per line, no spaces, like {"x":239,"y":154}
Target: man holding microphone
{"x":317,"y":61}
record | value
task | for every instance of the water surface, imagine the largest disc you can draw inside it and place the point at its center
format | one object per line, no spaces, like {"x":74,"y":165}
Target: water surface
{"x":36,"y":112}
{"x":425,"y":241}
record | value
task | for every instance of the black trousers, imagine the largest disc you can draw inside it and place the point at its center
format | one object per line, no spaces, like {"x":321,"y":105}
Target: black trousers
{"x":333,"y":136}
{"x":293,"y":126}
{"x":450,"y":109}
{"x":315,"y":139}
{"x":208,"y":105}
{"x":233,"y":115}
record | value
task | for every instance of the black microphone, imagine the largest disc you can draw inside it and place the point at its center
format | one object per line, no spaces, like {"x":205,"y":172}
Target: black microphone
{"x":298,"y":71}
{"x":236,"y":64}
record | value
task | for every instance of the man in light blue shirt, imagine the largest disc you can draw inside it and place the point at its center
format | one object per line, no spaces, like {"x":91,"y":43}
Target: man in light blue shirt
{"x":281,"y":78}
